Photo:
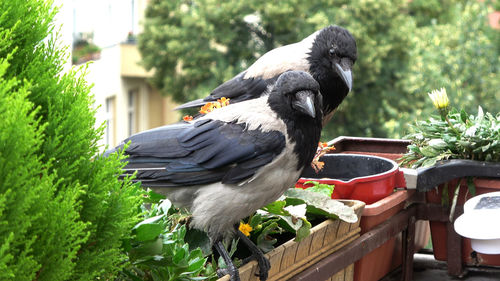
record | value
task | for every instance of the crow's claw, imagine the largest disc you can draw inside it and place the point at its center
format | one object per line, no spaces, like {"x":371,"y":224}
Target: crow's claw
{"x":262,"y":261}
{"x":231,"y":269}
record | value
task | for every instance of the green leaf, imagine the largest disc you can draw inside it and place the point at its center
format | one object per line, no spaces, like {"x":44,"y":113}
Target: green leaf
{"x":148,"y":231}
{"x":196,"y":264}
{"x":255,"y":220}
{"x":303,"y":231}
{"x":264,"y":241}
{"x":277,"y":208}
{"x":149,"y":221}
{"x":438,"y":144}
{"x":429,"y":162}
{"x":147,"y":249}
{"x":429,"y":151}
{"x":471,"y":186}
{"x":325,"y":189}
{"x":179,"y":258}
{"x":480,"y":114}
{"x":198,"y":239}
{"x":319,"y":203}
{"x":463,"y":116}
{"x":444,"y":196}
{"x":165,"y":206}
{"x":153,"y":197}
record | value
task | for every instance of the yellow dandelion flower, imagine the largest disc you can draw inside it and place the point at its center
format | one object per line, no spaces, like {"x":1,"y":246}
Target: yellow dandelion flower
{"x":245,"y":228}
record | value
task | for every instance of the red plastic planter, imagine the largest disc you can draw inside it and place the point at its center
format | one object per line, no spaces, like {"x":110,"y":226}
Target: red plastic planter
{"x":360,"y":177}
{"x":376,"y":264}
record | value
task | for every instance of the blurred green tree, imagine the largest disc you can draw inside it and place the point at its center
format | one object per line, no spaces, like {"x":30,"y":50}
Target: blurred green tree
{"x":460,"y":55}
{"x":193,"y":46}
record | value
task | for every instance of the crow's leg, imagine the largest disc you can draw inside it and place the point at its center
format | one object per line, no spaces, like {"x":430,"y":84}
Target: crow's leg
{"x":263,"y":262}
{"x":231,"y":269}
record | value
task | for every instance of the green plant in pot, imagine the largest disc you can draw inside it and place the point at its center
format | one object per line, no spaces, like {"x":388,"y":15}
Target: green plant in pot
{"x":461,"y":153}
{"x":454,"y":134}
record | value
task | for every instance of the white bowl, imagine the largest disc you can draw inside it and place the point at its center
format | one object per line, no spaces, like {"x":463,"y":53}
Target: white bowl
{"x":480,"y":222}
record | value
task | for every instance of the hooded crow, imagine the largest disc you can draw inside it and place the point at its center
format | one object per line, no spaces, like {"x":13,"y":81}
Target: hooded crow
{"x":234,"y":160}
{"x":327,"y":54}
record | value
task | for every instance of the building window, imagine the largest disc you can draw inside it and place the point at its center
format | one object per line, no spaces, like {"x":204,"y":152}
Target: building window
{"x":110,"y":121}
{"x":132,"y":111}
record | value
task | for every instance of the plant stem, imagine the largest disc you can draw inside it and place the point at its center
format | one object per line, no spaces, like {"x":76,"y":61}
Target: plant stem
{"x":451,"y":126}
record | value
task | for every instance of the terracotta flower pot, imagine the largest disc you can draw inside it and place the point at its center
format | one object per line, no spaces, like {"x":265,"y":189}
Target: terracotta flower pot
{"x":387,"y":257}
{"x":438,"y":229}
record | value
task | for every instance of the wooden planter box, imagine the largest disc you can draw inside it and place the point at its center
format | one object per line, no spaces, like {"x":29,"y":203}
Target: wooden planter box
{"x":293,"y":257}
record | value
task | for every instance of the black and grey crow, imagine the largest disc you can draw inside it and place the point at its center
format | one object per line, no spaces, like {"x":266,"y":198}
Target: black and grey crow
{"x":230,"y":162}
{"x":327,"y":54}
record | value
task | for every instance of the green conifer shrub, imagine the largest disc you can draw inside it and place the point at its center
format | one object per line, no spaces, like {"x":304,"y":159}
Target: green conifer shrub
{"x":63,"y":211}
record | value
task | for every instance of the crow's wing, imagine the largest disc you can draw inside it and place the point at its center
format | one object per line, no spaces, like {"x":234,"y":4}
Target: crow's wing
{"x":203,"y":152}
{"x":237,"y":89}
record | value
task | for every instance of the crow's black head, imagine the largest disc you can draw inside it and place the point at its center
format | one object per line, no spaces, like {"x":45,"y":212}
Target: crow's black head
{"x":332,"y":56}
{"x":296,"y":95}
{"x":296,"y":100}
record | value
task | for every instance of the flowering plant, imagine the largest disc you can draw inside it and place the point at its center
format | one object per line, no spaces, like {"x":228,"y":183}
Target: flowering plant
{"x":162,"y":244}
{"x":293,"y":213}
{"x":453,"y":135}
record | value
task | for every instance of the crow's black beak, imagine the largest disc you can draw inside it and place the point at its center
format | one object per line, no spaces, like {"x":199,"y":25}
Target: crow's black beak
{"x":305,"y":103}
{"x":344,"y":71}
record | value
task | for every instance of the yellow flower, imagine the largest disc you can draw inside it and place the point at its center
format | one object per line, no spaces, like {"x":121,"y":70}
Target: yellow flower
{"x":439,"y":98}
{"x":245,"y":228}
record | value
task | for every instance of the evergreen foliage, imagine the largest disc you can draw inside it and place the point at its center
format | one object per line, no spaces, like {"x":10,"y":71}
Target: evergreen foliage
{"x":63,"y":211}
{"x":405,"y":48}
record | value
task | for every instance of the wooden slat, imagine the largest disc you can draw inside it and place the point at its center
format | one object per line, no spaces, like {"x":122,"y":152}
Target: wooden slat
{"x":339,"y":276}
{"x":311,"y":262}
{"x":317,"y":241}
{"x":288,"y":259}
{"x":408,"y":250}
{"x":357,"y":249}
{"x":454,"y":251}
{"x":349,"y":272}
{"x":275,"y":258}
{"x":303,"y":249}
{"x":331,"y":233}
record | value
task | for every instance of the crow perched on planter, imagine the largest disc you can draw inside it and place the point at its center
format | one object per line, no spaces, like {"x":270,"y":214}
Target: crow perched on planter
{"x":327,"y":54}
{"x":225,"y":165}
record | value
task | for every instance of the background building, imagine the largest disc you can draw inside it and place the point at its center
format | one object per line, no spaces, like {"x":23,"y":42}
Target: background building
{"x":125,"y":101}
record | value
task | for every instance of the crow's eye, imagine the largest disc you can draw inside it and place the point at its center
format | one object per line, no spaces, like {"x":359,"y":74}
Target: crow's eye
{"x":331,"y":51}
